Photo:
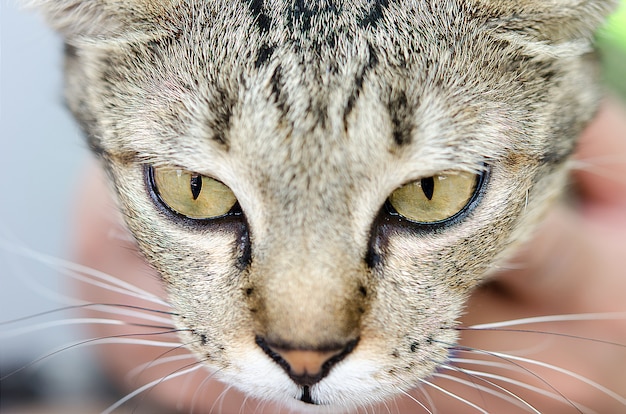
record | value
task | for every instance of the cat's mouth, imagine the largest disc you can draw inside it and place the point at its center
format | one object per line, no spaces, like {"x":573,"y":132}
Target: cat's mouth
{"x":306,"y":396}
{"x":306,"y":367}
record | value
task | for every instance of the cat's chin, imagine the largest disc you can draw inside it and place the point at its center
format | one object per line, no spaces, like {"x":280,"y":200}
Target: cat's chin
{"x":295,"y":406}
{"x":339,"y":393}
{"x":299,"y":407}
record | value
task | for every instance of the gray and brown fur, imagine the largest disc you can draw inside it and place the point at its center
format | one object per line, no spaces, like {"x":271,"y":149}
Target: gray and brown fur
{"x":313,"y":112}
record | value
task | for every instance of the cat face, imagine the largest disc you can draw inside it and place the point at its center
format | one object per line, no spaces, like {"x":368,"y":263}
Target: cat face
{"x":321,"y":185}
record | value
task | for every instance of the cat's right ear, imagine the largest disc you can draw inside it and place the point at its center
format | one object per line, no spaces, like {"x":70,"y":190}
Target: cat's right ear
{"x":104,"y":18}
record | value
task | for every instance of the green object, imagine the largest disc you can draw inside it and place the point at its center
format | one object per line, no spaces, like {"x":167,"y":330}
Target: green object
{"x":615,"y":29}
{"x":611,"y":44}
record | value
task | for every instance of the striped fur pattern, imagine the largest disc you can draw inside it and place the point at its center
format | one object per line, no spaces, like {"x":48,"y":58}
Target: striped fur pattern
{"x":313,"y":112}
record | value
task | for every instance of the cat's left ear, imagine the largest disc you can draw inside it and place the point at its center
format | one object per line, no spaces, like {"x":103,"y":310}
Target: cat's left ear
{"x":104,"y":18}
{"x":549,"y":21}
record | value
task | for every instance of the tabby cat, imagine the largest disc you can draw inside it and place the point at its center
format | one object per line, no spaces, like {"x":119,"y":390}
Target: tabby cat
{"x":321,"y":184}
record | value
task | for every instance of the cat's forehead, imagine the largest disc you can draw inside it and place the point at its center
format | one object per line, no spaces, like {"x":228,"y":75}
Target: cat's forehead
{"x":291,"y":74}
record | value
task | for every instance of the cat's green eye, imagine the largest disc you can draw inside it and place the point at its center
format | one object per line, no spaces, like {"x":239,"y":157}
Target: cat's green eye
{"x":434,"y":199}
{"x":192,"y":195}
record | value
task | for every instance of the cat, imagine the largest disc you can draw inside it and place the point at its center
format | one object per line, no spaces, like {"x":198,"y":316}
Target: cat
{"x":321,"y":185}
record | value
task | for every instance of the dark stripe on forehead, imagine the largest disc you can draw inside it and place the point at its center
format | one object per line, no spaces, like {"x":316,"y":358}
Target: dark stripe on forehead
{"x":263,"y":55}
{"x":371,"y":63}
{"x":220,"y":122}
{"x":375,"y":14}
{"x":262,"y":20}
{"x":277,"y":84}
{"x":303,"y":11}
{"x":401,"y":113}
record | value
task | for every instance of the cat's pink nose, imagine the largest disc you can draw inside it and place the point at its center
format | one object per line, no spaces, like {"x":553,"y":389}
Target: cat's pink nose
{"x":305,"y":363}
{"x":306,"y":367}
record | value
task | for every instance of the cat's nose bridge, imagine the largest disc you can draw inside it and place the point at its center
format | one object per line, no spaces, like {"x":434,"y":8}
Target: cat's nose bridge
{"x":308,"y":303}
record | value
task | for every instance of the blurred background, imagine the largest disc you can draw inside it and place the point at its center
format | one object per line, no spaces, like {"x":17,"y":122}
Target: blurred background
{"x":41,"y":158}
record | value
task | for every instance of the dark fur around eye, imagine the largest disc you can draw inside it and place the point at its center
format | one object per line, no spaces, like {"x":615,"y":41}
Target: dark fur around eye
{"x":389,"y":221}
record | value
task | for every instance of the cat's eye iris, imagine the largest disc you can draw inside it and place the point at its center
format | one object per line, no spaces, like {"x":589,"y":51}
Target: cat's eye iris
{"x":435,"y":199}
{"x":192,"y":195}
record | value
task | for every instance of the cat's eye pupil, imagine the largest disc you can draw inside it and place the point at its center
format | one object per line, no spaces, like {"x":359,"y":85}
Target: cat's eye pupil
{"x":196,"y":186}
{"x":428,"y":187}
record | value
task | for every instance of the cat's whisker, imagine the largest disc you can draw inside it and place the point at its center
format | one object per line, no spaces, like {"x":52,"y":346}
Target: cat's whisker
{"x":12,"y":333}
{"x":512,"y":361}
{"x":359,"y":409}
{"x":518,"y":361}
{"x":596,"y":166}
{"x":258,"y":407}
{"x":490,"y":364}
{"x":549,"y":333}
{"x":454,"y":396}
{"x":68,"y":322}
{"x":142,"y":312}
{"x":135,"y":372}
{"x":136,"y":312}
{"x":219,"y":401}
{"x":196,"y":394}
{"x":599,"y":387}
{"x":429,"y":399}
{"x":363,"y":409}
{"x":420,"y":387}
{"x":508,"y":266}
{"x":395,"y":405}
{"x":499,"y":391}
{"x":551,"y":318}
{"x":554,"y":396}
{"x":182,"y":371}
{"x":84,"y":273}
{"x":483,"y":375}
{"x":186,"y":386}
{"x":160,"y":359}
{"x":30,"y":282}
{"x":112,"y":339}
{"x":196,"y":363}
{"x":243,"y":404}
{"x":526,"y":201}
{"x":415,"y":400}
{"x":388,"y":409}
{"x":113,"y":284}
{"x":607,"y":159}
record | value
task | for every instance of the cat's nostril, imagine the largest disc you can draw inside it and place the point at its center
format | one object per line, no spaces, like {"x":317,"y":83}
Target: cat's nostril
{"x":305,"y":366}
